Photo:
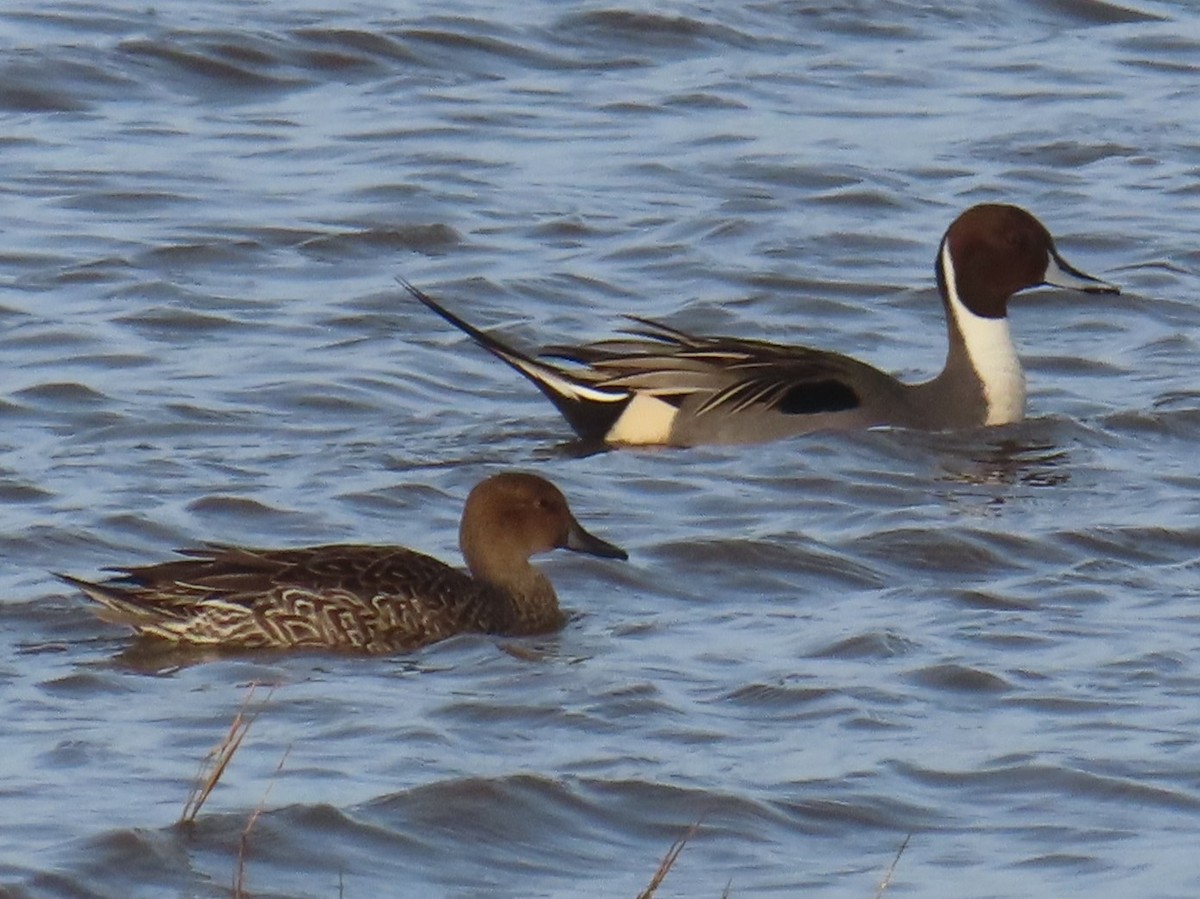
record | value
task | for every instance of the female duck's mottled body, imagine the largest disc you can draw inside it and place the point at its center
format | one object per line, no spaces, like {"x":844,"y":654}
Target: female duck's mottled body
{"x":663,"y":386}
{"x":373,"y":599}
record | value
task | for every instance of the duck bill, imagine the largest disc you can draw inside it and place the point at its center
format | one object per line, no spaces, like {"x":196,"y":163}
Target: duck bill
{"x":1061,"y":274}
{"x":580,"y":541}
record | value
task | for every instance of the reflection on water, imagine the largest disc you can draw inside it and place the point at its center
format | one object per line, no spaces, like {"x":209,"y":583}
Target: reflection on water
{"x":1011,"y":462}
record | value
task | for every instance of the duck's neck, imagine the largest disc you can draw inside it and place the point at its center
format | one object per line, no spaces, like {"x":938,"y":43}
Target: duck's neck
{"x":532,"y":598}
{"x":983,"y":381}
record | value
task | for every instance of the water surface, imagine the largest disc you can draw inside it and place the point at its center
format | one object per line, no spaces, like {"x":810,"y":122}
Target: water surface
{"x":985,"y":640}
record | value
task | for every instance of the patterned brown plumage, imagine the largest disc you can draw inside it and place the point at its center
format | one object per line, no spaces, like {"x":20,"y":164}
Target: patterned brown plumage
{"x":373,"y":599}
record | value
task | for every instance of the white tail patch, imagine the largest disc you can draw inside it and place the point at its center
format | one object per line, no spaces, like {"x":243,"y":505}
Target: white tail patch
{"x":646,"y":421}
{"x":990,"y":348}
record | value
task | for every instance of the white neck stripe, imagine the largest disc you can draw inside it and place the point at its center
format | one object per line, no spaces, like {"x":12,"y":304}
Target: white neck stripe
{"x":989,"y":347}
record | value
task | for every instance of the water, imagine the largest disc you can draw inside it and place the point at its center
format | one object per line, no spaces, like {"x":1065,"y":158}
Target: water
{"x":985,"y":640}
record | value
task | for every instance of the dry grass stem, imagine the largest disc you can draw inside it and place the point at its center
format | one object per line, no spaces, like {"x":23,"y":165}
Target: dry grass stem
{"x":887,"y":878}
{"x":669,"y":861}
{"x":218,"y":759}
{"x":239,"y":873}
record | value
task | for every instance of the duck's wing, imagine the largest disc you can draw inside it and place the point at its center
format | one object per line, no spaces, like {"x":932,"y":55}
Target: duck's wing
{"x":717,"y":389}
{"x":725,"y":375}
{"x":373,"y":598}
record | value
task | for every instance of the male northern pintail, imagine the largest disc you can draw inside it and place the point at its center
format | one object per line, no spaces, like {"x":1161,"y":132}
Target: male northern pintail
{"x":663,"y":386}
{"x":373,"y":599}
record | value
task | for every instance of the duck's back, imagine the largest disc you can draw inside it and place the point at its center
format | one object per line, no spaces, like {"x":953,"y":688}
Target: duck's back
{"x":364,"y":598}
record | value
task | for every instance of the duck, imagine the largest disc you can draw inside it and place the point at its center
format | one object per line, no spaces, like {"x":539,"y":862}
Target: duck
{"x":659,"y":385}
{"x":361,"y":598}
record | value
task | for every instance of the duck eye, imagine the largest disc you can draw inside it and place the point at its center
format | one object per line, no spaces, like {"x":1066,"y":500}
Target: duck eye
{"x":548,"y":504}
{"x":1021,"y":240}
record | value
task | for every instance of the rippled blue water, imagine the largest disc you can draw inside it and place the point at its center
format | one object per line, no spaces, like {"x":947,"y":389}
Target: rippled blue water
{"x":985,"y":640}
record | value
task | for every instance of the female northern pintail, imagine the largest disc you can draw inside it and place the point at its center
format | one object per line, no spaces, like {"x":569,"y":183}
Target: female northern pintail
{"x":663,"y":386}
{"x":373,"y":599}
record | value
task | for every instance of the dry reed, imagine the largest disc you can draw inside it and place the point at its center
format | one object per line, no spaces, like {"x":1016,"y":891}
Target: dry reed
{"x":239,"y":872}
{"x":887,"y":877}
{"x":672,"y":856}
{"x":217,"y":760}
{"x":668,"y":862}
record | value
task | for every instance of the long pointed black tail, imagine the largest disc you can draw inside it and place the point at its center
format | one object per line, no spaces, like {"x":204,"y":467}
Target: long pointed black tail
{"x":591,"y":411}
